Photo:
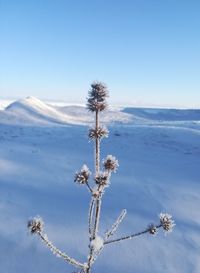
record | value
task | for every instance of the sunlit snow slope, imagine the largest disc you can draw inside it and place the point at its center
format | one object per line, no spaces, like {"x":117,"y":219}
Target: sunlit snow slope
{"x":32,"y":110}
{"x":159,"y":172}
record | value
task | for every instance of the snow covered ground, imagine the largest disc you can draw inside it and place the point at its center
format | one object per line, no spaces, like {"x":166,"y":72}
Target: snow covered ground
{"x":41,"y":147}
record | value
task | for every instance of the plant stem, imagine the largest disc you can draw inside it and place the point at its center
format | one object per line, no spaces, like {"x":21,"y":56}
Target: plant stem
{"x":97,"y":144}
{"x":98,"y":199}
{"x":130,"y":236}
{"x":90,"y":218}
{"x":90,"y":189}
{"x":59,"y":253}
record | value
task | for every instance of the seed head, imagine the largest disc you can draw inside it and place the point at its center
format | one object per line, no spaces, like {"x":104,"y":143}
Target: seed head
{"x":98,"y":133}
{"x":94,"y":105}
{"x":166,"y":222}
{"x":98,"y":91}
{"x":35,"y":225}
{"x":97,"y":97}
{"x":152,"y":229}
{"x":82,"y":176}
{"x":102,"y":179}
{"x":111,"y":163}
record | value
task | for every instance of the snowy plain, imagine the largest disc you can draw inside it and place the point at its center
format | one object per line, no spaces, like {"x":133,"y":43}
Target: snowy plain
{"x":42,"y":146}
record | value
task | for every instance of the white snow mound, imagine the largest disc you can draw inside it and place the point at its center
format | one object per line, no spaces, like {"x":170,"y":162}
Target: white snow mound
{"x":32,"y":110}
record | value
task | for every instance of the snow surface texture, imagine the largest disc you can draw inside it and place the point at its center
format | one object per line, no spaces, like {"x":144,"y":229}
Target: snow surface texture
{"x":41,"y":148}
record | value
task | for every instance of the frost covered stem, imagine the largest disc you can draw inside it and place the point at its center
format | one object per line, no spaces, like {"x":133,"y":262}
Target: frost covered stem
{"x":97,"y":159}
{"x":97,"y":201}
{"x":97,"y":216}
{"x":130,"y":236}
{"x":97,"y":146}
{"x":57,"y":252}
{"x":90,"y":218}
{"x":95,"y":230}
{"x":115,"y":225}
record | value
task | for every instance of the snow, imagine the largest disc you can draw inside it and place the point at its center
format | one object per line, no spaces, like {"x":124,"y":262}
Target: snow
{"x":31,"y":110}
{"x":97,"y":243}
{"x":41,"y":147}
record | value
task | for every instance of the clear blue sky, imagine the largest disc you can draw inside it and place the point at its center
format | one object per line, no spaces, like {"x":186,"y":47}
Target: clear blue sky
{"x":146,"y":51}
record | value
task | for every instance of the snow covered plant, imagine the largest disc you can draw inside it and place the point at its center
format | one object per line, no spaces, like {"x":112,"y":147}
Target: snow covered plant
{"x":96,"y":103}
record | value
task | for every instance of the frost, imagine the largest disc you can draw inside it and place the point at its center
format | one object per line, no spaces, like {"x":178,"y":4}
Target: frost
{"x":97,"y":243}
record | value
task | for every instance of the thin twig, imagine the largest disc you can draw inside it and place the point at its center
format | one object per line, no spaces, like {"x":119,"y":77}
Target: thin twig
{"x":110,"y":233}
{"x":90,"y":189}
{"x":130,"y":236}
{"x":59,"y":253}
{"x":115,"y":225}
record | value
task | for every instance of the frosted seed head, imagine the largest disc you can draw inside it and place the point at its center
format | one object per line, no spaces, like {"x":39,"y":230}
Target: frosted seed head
{"x":98,"y":91}
{"x":97,"y":97}
{"x":111,"y":163}
{"x":166,"y":222}
{"x":93,"y":105}
{"x":153,"y":229}
{"x":35,"y":225}
{"x":98,"y":133}
{"x":102,"y":179}
{"x":82,"y":176}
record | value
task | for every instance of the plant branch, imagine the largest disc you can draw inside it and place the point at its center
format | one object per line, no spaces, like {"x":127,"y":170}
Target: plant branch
{"x":115,"y":225}
{"x":97,"y":141}
{"x":59,"y":253}
{"x":90,"y":217}
{"x":130,"y":236}
{"x":90,"y":189}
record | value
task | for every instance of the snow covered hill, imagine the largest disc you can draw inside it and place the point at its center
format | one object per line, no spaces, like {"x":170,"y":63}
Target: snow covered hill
{"x":32,"y":110}
{"x":159,"y":156}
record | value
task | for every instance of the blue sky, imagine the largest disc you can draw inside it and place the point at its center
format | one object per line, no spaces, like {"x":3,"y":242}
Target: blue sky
{"x":146,"y":51}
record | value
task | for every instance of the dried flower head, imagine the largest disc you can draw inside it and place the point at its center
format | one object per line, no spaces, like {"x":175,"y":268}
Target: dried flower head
{"x":166,"y":222}
{"x":98,"y":91}
{"x":97,"y":97}
{"x":82,"y":176}
{"x":153,"y":229}
{"x":35,"y":224}
{"x":111,"y":163}
{"x":98,"y":133}
{"x":94,"y":105}
{"x":102,"y":179}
